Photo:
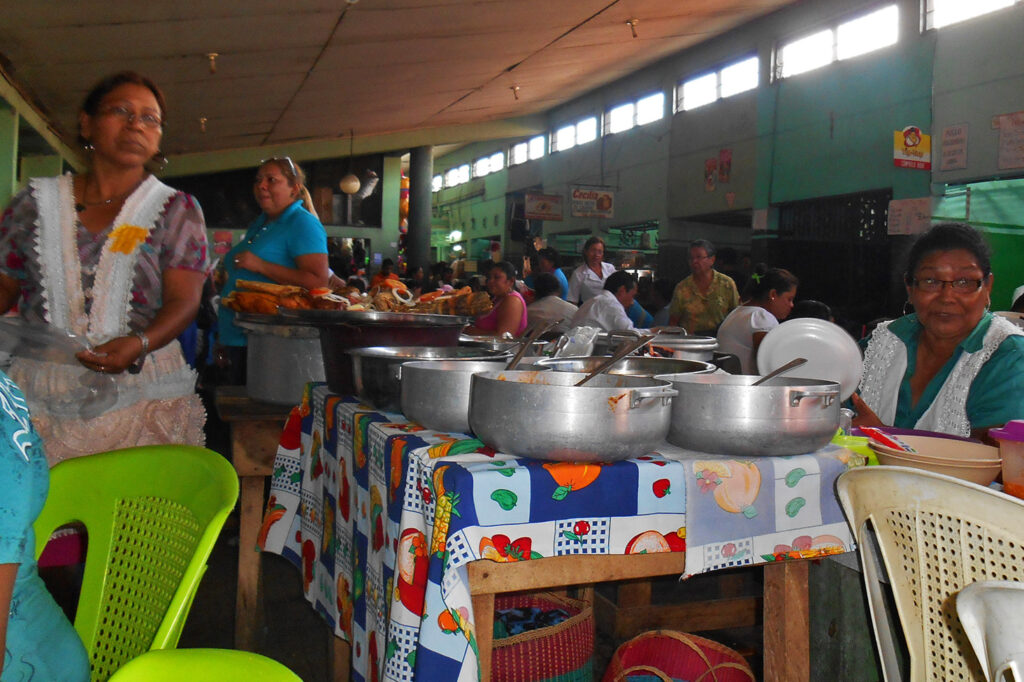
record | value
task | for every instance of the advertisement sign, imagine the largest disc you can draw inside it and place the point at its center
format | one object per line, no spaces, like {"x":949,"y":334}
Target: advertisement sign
{"x":592,"y":203}
{"x":543,"y":206}
{"x":911,"y":149}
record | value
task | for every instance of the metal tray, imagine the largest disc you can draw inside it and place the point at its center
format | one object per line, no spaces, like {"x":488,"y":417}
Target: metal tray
{"x":328,"y":318}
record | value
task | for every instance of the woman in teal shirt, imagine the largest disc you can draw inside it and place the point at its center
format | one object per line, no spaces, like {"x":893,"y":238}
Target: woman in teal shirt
{"x":38,"y":642}
{"x":951,"y":366}
{"x":286,"y":244}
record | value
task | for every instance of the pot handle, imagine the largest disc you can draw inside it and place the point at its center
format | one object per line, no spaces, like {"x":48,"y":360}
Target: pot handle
{"x":828,"y":394}
{"x":663,"y":392}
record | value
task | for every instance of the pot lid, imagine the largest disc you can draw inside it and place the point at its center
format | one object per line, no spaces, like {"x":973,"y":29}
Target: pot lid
{"x":686,"y":342}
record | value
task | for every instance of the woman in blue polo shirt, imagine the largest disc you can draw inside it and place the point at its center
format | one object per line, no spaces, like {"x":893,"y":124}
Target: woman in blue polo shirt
{"x":286,"y":244}
{"x":951,"y":365}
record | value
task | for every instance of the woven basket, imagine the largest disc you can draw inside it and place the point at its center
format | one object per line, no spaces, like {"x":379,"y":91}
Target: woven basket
{"x":559,"y":653}
{"x":666,"y":654}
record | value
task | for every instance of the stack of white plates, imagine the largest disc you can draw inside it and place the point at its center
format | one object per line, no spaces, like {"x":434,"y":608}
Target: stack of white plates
{"x":832,"y":354}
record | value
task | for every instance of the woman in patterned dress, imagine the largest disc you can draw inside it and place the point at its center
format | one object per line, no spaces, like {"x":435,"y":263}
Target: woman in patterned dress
{"x":113,"y":256}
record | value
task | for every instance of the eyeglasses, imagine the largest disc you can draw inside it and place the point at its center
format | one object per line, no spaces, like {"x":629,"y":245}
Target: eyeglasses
{"x":148,"y":121}
{"x":959,"y":286}
{"x":287,"y":160}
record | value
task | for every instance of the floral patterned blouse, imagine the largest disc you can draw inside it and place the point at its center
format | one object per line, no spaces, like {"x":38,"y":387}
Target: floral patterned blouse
{"x":702,"y":313}
{"x":178,"y":240}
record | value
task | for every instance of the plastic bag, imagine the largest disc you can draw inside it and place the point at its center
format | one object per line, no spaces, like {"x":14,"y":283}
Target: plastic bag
{"x":97,"y":392}
{"x":580,"y":342}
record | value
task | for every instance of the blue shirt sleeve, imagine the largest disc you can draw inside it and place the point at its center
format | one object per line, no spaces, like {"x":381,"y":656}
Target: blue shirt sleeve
{"x":306,"y":235}
{"x":560,"y":276}
{"x":997,"y":393}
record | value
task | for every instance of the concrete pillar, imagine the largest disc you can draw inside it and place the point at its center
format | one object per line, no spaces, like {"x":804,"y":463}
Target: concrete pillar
{"x":421,"y":177}
{"x":39,"y":166}
{"x":8,"y":152}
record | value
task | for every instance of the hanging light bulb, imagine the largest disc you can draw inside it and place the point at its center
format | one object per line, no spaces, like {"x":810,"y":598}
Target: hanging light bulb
{"x":212,"y":57}
{"x":350,"y":183}
{"x":632,"y":26}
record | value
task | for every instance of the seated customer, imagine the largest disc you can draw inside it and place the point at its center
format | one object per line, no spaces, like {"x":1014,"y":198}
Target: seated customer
{"x":548,"y":305}
{"x":37,"y":641}
{"x":951,"y":365}
{"x":607,"y":310}
{"x":769,"y":296}
{"x":508,"y":316}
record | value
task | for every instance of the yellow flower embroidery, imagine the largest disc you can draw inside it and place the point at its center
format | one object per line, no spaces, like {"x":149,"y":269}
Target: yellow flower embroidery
{"x":126,"y":238}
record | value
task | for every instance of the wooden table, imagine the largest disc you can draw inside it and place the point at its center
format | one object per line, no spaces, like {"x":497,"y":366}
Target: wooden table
{"x":786,"y":623}
{"x":255,"y":429}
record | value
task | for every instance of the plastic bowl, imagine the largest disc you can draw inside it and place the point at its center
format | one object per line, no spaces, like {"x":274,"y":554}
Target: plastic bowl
{"x":982,"y":475}
{"x":944,"y":451}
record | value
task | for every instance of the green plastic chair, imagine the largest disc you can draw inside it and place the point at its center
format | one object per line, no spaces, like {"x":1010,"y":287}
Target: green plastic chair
{"x":152,"y":515}
{"x":203,"y":665}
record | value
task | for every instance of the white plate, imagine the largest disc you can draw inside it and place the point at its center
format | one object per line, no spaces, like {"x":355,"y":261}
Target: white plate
{"x":831,"y":353}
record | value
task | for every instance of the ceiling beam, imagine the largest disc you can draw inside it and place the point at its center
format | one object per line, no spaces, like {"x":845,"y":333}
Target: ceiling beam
{"x":199,"y":163}
{"x":30,"y":113}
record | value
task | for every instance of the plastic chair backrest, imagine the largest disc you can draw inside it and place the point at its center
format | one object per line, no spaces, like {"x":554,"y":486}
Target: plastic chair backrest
{"x":152,"y":515}
{"x":203,"y":665}
{"x":934,"y":535}
{"x":992,"y":615}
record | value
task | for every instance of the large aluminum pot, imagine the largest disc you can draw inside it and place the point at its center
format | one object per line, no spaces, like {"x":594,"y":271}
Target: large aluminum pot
{"x":724,"y":414}
{"x":280,"y":358}
{"x":633,"y":365}
{"x":377,"y":371}
{"x":544,"y":416}
{"x":341,"y":330}
{"x":494,"y":343}
{"x":435,"y":393}
{"x":688,"y":347}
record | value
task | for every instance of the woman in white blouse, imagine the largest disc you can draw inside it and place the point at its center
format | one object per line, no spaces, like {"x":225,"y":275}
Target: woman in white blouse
{"x":588,"y":279}
{"x":769,"y":299}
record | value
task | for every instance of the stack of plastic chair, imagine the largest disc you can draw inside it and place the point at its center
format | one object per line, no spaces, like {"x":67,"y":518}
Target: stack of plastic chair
{"x":931,"y":535}
{"x":152,"y":515}
{"x":992,"y":614}
{"x":203,"y":665}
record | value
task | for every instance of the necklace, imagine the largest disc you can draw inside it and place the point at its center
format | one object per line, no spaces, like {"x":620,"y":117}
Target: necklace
{"x":83,"y":204}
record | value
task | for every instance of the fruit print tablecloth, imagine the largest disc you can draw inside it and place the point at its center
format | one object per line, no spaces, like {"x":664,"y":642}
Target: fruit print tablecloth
{"x":382,"y":517}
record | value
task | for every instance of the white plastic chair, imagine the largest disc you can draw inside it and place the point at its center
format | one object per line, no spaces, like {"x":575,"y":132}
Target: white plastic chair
{"x":931,"y":535}
{"x":992,"y":614}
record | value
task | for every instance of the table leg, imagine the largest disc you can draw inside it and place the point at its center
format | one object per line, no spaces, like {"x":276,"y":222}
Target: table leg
{"x":786,"y":622}
{"x":483,"y":619}
{"x":341,"y":659}
{"x":249,"y":601}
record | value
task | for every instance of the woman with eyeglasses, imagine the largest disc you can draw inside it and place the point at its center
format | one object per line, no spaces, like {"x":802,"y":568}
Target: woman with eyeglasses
{"x":286,"y":244}
{"x":951,"y":365}
{"x":115,"y":257}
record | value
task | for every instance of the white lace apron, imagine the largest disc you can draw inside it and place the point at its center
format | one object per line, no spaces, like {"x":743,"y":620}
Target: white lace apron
{"x":158,"y":405}
{"x":885,"y":363}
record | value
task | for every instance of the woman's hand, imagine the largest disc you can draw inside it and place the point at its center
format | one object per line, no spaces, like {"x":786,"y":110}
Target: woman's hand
{"x":248,"y":260}
{"x":865,"y":416}
{"x":112,"y":357}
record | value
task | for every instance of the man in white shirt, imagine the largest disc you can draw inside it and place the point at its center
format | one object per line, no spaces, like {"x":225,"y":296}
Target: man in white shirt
{"x":548,"y":305}
{"x":607,"y":310}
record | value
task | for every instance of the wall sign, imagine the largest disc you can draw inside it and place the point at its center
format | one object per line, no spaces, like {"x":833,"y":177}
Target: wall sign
{"x":912,"y":149}
{"x":543,"y":206}
{"x":592,"y":203}
{"x":910,"y":216}
{"x":954,"y":147}
{"x":1011,"y":140}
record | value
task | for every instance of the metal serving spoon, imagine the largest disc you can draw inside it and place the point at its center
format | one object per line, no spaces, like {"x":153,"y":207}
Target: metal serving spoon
{"x":792,"y":364}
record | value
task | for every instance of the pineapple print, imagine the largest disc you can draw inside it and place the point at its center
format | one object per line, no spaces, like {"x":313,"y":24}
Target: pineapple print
{"x":444,"y":508}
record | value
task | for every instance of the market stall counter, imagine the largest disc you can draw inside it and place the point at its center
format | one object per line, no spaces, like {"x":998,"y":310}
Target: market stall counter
{"x":403,"y":535}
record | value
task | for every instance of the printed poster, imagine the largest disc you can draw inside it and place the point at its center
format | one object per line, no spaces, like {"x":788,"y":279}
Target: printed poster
{"x":910,"y":216}
{"x":954,"y":147}
{"x":724,"y":165}
{"x":543,"y":206}
{"x":710,"y":174}
{"x":592,"y":203}
{"x":912,"y":149}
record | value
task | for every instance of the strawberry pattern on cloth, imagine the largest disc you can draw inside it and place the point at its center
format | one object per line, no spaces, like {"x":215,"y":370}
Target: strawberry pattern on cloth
{"x":383,"y":516}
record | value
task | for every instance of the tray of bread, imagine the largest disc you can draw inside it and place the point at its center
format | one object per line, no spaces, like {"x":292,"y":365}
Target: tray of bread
{"x":266,"y":298}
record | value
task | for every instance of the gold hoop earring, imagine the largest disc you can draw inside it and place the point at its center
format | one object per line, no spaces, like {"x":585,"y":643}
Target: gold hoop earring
{"x":907,"y":304}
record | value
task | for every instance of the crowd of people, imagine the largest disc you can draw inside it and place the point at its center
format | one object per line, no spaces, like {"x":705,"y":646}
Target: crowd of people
{"x":115,"y":258}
